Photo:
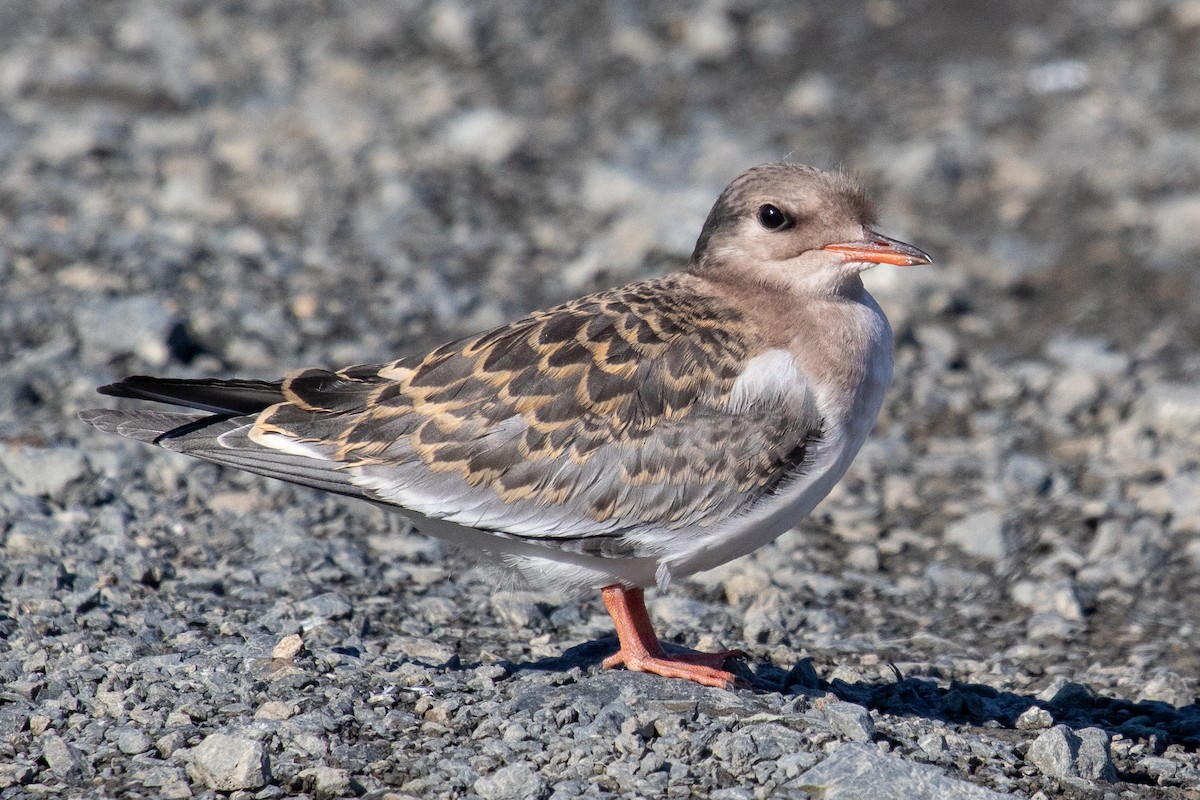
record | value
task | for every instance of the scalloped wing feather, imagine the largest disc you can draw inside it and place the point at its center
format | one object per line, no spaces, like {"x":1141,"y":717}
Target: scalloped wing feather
{"x":584,"y":426}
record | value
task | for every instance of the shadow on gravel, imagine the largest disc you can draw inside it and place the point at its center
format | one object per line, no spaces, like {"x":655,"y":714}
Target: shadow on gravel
{"x":1074,"y":704}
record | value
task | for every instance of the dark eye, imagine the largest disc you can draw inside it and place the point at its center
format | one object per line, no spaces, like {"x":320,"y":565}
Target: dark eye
{"x":771,"y":217}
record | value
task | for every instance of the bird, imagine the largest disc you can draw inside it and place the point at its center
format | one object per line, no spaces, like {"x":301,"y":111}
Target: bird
{"x":614,"y":442}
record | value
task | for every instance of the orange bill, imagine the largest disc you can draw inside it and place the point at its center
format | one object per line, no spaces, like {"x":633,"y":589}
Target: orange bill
{"x":875,"y":248}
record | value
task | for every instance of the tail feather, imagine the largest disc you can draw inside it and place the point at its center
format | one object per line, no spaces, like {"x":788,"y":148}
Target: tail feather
{"x":222,"y":439}
{"x":145,"y":426}
{"x":205,"y":394}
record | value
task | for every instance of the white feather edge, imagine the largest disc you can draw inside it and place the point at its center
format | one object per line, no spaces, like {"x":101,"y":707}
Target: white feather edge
{"x":274,"y":440}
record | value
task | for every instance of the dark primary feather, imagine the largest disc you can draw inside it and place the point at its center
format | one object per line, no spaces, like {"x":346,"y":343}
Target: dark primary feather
{"x":203,"y":394}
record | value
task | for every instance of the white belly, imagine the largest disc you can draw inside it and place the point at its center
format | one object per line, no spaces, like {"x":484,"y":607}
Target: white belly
{"x":849,"y":420}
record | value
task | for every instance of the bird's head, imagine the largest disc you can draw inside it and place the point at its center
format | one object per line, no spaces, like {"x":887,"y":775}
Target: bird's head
{"x":794,"y":227}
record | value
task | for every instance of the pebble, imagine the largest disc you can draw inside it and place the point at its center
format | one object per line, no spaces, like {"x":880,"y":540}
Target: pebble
{"x":131,"y":325}
{"x":274,"y":710}
{"x":857,"y":771}
{"x":288,"y":647}
{"x":1171,"y":408}
{"x":1177,"y":496}
{"x":170,"y":783}
{"x":1026,"y":476}
{"x":1125,"y":553}
{"x":1034,"y":718}
{"x":485,"y":134}
{"x":1073,"y":392}
{"x":709,"y":33}
{"x":229,"y":763}
{"x":325,"y":606}
{"x":1064,"y":753}
{"x":133,"y":741}
{"x":980,"y":535}
{"x":1158,"y":768}
{"x":850,"y":721}
{"x":952,"y":581}
{"x":1169,"y":687}
{"x":63,"y":759}
{"x":1177,"y":225}
{"x":16,"y":775}
{"x":512,"y":782}
{"x":1086,"y":355}
{"x":1053,"y":597}
{"x":517,"y":609}
{"x":43,"y":471}
{"x":168,"y":743}
{"x":933,"y":745}
{"x":328,"y":782}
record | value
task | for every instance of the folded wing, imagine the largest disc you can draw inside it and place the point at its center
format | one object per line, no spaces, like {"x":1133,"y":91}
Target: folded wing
{"x":587,"y":427}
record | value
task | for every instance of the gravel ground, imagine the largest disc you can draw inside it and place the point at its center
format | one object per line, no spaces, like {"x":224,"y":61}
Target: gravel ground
{"x":1002,"y":597}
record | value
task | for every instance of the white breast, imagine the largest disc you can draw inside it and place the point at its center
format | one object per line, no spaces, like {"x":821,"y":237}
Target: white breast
{"x":848,"y":415}
{"x":768,"y":379}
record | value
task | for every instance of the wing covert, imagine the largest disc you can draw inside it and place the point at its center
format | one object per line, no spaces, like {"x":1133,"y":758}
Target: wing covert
{"x":581,"y":426}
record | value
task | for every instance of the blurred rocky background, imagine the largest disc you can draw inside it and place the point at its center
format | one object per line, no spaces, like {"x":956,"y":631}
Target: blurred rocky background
{"x":1003,"y":595}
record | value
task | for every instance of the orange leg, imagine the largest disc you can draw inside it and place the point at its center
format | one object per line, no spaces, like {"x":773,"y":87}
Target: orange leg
{"x":641,"y":651}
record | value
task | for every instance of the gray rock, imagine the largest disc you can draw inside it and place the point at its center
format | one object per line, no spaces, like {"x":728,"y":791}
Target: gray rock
{"x":1034,"y":718}
{"x":132,"y":741}
{"x":1063,"y":753}
{"x":229,"y":763}
{"x":1014,"y":258}
{"x":1094,"y":761}
{"x":132,"y":325}
{"x":484,"y":134}
{"x":933,"y":745}
{"x":42,"y":470}
{"x":1087,"y":355}
{"x":980,"y":535}
{"x":328,"y":782}
{"x":168,"y":782}
{"x":940,"y":345}
{"x":510,"y":783}
{"x":16,"y":774}
{"x":1058,"y":598}
{"x":327,"y":606}
{"x":1178,"y":496}
{"x":63,"y":759}
{"x":952,"y":581}
{"x":1159,"y":768}
{"x":518,"y":609}
{"x":1025,"y":476}
{"x":1171,"y":408}
{"x":861,"y":772}
{"x":732,"y":793}
{"x":1073,"y":392}
{"x":850,"y":721}
{"x":753,"y":743}
{"x":1177,"y":226}
{"x":1168,"y":687}
{"x":168,"y":743}
{"x":1125,"y":552}
{"x":1061,"y":76}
